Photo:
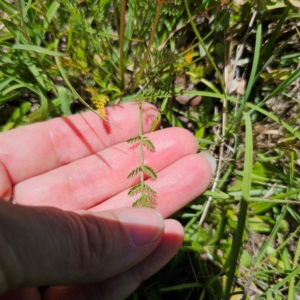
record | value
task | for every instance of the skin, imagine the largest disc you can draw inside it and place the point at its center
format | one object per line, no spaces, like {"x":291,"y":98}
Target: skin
{"x":74,"y":232}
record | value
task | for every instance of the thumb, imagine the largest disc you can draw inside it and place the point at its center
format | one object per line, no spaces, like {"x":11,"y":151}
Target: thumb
{"x":47,"y":246}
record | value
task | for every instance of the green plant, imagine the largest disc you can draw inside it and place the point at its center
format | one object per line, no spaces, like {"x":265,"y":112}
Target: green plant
{"x":147,"y":195}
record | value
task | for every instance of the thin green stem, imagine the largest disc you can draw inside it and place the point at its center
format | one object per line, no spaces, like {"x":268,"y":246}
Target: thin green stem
{"x":23,"y":22}
{"x":158,"y":9}
{"x":115,"y":5}
{"x":238,"y":239}
{"x":141,"y":145}
{"x":204,"y":47}
{"x":121,"y":37}
{"x":291,"y":293}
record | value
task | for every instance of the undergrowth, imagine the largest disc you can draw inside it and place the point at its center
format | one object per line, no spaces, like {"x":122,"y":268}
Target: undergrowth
{"x":226,"y":70}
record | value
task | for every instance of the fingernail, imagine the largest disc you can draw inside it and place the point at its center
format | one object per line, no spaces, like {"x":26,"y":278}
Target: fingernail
{"x":142,"y":225}
{"x":212,"y":161}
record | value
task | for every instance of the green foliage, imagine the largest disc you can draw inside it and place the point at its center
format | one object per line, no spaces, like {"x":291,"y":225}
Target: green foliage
{"x":142,"y":169}
{"x":147,"y":195}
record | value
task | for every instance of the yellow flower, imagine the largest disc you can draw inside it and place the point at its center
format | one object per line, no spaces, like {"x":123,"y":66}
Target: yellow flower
{"x":188,"y":57}
{"x":99,"y":101}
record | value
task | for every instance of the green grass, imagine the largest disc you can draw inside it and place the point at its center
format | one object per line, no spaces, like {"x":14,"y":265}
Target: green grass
{"x":241,"y":236}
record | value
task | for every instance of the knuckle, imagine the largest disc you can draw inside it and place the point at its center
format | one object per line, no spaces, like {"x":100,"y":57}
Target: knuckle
{"x":93,"y":254}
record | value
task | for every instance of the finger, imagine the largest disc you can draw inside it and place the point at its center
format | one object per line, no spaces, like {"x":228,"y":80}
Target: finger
{"x":5,"y":184}
{"x":118,"y":287}
{"x":94,"y":179}
{"x":121,"y":286}
{"x":176,"y":186}
{"x":47,"y":246}
{"x":38,"y":148}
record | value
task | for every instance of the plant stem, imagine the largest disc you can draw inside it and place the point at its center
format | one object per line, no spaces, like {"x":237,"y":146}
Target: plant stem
{"x":141,"y":145}
{"x":23,"y":22}
{"x":121,"y":37}
{"x":237,"y":243}
{"x":158,"y":9}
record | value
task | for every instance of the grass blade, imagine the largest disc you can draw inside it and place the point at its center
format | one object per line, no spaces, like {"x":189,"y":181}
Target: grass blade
{"x":38,"y":49}
{"x":65,"y":100}
{"x":291,"y":294}
{"x":271,"y":237}
{"x":252,"y":80}
{"x":284,"y":84}
{"x":237,"y":242}
{"x":266,"y":51}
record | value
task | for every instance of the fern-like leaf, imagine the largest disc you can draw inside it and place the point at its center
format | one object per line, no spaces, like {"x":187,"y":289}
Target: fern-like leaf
{"x":149,"y":199}
{"x":149,"y":171}
{"x":148,"y":189}
{"x":132,"y":140}
{"x":135,"y":189}
{"x":147,"y":194}
{"x":149,"y":205}
{"x":154,"y":94}
{"x":135,"y":171}
{"x":148,"y":144}
{"x":145,"y":201}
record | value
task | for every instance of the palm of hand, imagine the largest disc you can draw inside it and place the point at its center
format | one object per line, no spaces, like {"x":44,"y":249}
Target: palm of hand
{"x":76,"y":163}
{"x":81,"y":163}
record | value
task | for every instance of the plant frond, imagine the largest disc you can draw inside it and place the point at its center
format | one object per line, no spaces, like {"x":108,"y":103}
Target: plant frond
{"x":149,"y":171}
{"x":148,"y":189}
{"x":149,"y":205}
{"x":148,"y":143}
{"x":145,"y":201}
{"x":153,"y":95}
{"x":135,"y":139}
{"x":135,"y":171}
{"x":77,"y":64}
{"x":138,"y":202}
{"x":135,"y":189}
{"x":149,"y":199}
{"x":112,"y":88}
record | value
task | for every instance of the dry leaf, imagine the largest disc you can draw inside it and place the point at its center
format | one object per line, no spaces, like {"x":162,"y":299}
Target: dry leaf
{"x":295,"y":2}
{"x":238,"y":86}
{"x":239,"y":2}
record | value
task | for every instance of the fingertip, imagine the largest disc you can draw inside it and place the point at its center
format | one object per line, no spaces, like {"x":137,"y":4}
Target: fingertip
{"x":142,"y":225}
{"x":174,"y":232}
{"x":183,"y":139}
{"x":181,"y":183}
{"x":205,"y":169}
{"x":171,"y":242}
{"x":212,"y":161}
{"x":125,"y":283}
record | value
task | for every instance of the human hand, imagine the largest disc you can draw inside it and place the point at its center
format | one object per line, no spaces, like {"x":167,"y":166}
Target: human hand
{"x":81,"y":163}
